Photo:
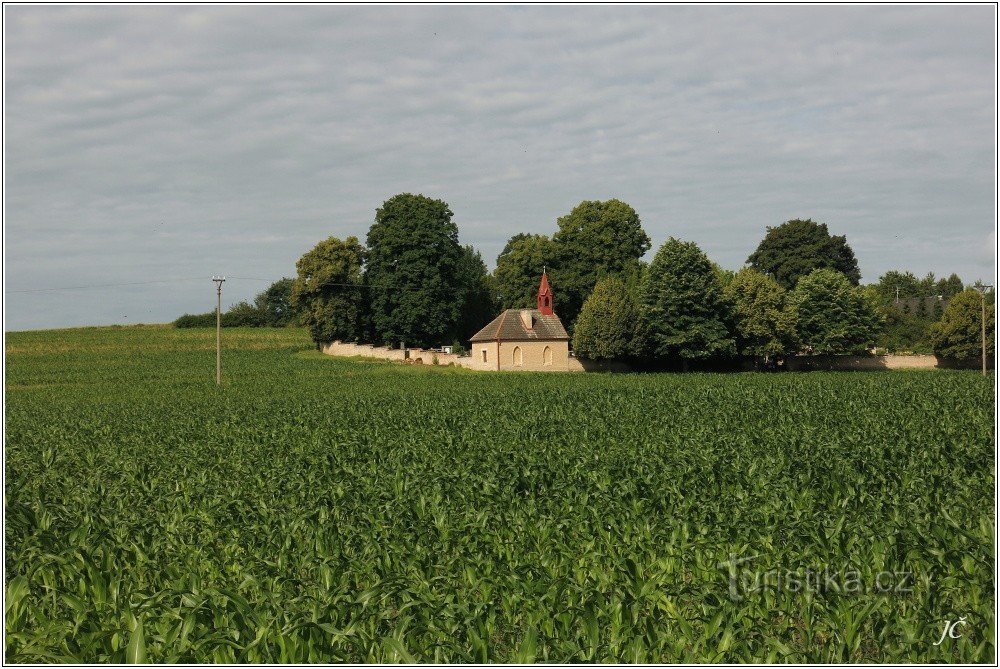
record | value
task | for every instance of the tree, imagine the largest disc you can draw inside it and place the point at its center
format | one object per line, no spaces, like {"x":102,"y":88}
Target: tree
{"x":243,"y":315}
{"x":275,"y":303}
{"x":958,"y":335}
{"x":797,"y":247}
{"x":519,"y":269}
{"x":907,"y":284}
{"x":412,"y":267}
{"x":478,"y":306}
{"x":327,"y":291}
{"x":595,"y":239}
{"x":608,"y":323}
{"x":903,"y":332}
{"x":833,"y":316}
{"x":764,"y":327}
{"x":683,"y":307}
{"x":950,"y":287}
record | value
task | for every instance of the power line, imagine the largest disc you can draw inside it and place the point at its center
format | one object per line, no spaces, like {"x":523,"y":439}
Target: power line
{"x":199,"y":278}
{"x":108,"y":285}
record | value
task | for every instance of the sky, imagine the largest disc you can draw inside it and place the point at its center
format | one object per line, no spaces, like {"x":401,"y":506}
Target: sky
{"x":158,"y":146}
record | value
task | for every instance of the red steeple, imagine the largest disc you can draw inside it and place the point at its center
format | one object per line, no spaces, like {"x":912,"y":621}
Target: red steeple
{"x":545,"y":296}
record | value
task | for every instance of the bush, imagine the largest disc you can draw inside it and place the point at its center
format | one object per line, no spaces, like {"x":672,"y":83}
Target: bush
{"x":196,"y":321}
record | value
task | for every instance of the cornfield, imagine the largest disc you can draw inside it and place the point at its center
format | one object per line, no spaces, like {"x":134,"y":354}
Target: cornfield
{"x":329,"y":510}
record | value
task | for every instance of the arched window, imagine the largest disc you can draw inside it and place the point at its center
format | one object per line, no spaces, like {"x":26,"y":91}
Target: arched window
{"x":547,"y":356}
{"x":484,"y":355}
{"x":517,"y":355}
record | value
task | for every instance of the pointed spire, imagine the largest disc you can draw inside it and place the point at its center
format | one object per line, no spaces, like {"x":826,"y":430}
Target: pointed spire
{"x":545,"y":295}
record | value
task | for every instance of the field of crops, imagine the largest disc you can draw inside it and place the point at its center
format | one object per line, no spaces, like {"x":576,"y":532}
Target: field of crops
{"x":316,"y":509}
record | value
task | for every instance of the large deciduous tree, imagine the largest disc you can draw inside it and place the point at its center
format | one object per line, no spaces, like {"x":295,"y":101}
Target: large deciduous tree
{"x":683,"y":309}
{"x":608,"y":325}
{"x":763,"y":325}
{"x":478,"y":305}
{"x":413,"y":271}
{"x":595,"y":239}
{"x":958,"y":335}
{"x":797,"y":247}
{"x":833,"y":317}
{"x":327,"y":291}
{"x":519,"y":269}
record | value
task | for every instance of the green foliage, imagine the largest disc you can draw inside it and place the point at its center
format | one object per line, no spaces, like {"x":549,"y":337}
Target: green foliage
{"x":519,"y":270}
{"x":904,"y":332}
{"x":413,"y":268}
{"x":909,"y":286}
{"x":958,"y":335}
{"x":764,"y":327}
{"x":950,"y":287}
{"x":683,"y":309}
{"x":833,"y":317}
{"x":910,"y":306}
{"x":205,"y":320}
{"x":321,"y":510}
{"x":275,"y":304}
{"x":797,"y":247}
{"x":239,"y":315}
{"x":271,"y":308}
{"x":244,"y":315}
{"x":327,"y":292}
{"x":608,"y":325}
{"x":474,"y":293}
{"x":595,"y":239}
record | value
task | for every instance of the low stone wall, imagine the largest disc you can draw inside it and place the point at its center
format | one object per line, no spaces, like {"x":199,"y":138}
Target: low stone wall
{"x":799,"y":363}
{"x":425,"y":357}
{"x":578,"y":365}
{"x":802,"y":363}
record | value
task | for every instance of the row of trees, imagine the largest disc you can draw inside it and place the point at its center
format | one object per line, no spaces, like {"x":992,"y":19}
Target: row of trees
{"x":686,"y":309}
{"x":412,"y":281}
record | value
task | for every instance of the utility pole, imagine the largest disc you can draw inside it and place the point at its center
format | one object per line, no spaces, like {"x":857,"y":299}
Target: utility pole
{"x":982,"y":296}
{"x":218,"y":328}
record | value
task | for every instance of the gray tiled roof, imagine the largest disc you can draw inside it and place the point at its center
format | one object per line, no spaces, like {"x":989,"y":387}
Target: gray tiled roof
{"x":509,"y":326}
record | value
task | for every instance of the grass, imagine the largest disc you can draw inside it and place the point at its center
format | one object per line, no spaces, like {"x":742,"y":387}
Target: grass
{"x":320,"y":510}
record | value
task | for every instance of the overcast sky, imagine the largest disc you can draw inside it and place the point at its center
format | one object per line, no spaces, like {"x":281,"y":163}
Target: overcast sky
{"x":172,"y":143}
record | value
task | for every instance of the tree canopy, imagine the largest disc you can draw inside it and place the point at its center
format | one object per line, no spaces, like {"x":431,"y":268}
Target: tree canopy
{"x":475,"y":295}
{"x":958,"y":335}
{"x":608,"y":324}
{"x":833,"y":316}
{"x":412,"y":270}
{"x":762,"y":323}
{"x":797,"y":247}
{"x":595,"y":239}
{"x":683,"y":308}
{"x":327,"y":291}
{"x":519,"y":269}
{"x":275,"y":303}
{"x":909,"y":286}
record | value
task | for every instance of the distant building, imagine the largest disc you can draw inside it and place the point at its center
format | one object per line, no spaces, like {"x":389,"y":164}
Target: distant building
{"x":524,"y":339}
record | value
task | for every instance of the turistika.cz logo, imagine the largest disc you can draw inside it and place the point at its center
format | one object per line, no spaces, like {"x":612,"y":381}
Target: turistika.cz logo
{"x":744,"y":580}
